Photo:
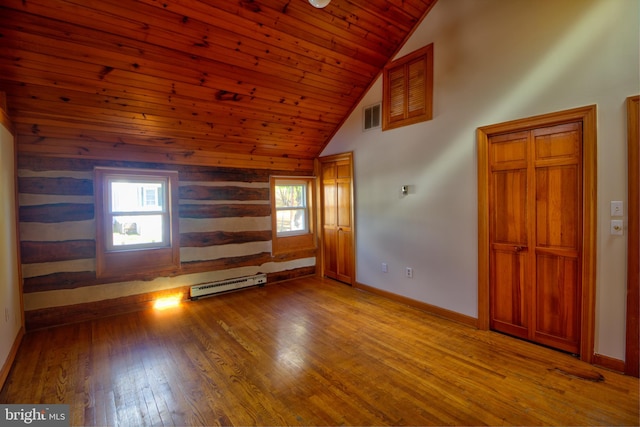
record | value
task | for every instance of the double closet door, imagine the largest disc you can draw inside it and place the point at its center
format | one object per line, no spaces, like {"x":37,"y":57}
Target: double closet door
{"x":535,"y":234}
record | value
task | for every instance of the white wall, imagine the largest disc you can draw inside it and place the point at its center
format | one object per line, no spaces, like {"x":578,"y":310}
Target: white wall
{"x":10,"y":311}
{"x":495,"y":61}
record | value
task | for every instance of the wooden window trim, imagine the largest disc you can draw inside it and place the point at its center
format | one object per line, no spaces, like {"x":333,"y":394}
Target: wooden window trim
{"x":633,"y":243}
{"x":298,"y":242}
{"x":401,"y":90}
{"x":132,"y":263}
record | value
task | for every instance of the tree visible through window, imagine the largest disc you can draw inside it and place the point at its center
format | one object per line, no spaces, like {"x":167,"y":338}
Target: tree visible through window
{"x":136,"y":227}
{"x":291,"y":207}
{"x":138,"y":213}
{"x":292,"y":214}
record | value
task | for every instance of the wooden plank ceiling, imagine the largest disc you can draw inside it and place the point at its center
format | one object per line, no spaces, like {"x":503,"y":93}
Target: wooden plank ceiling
{"x":259,"y":83}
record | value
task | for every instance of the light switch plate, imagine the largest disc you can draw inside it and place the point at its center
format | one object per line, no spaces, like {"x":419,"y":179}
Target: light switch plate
{"x":616,"y":208}
{"x":616,"y":227}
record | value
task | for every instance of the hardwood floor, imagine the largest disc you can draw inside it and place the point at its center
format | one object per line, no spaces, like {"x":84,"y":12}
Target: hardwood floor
{"x":308,"y":352}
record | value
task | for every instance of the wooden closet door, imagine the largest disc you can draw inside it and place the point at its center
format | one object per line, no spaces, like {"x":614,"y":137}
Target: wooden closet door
{"x":344,"y":242}
{"x":337,"y":219}
{"x":330,"y":220}
{"x":557,"y":195}
{"x":535,"y":234}
{"x":509,"y":252}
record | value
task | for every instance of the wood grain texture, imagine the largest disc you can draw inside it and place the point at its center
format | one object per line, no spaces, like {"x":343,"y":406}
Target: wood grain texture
{"x":217,"y":211}
{"x":57,"y":212}
{"x":60,"y":280}
{"x":429,"y":308}
{"x":224,"y":230}
{"x":193,"y":82}
{"x":222,"y":238}
{"x":33,"y":252}
{"x":535,"y":196}
{"x":79,"y":279}
{"x":64,"y":186}
{"x":587,"y":116}
{"x":308,"y":352}
{"x":198,"y":192}
{"x":632,"y":348}
{"x":6,"y":366}
{"x":72,"y":313}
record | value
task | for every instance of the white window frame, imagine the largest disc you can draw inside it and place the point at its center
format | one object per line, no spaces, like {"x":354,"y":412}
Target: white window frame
{"x":303,"y":206}
{"x":164,"y":211}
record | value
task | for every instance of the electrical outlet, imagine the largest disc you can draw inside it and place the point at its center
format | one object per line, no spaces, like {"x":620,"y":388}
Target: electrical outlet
{"x":617,"y":227}
{"x":385,"y":267}
{"x":408,"y":272}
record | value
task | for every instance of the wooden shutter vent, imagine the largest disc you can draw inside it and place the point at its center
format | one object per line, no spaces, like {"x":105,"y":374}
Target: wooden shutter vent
{"x":408,"y":89}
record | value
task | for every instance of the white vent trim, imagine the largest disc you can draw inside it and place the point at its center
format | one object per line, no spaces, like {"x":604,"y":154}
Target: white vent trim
{"x":372,"y":117}
{"x":213,"y":288}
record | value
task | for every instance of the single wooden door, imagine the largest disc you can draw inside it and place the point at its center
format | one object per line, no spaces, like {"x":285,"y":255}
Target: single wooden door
{"x":535,"y":234}
{"x":337,"y":218}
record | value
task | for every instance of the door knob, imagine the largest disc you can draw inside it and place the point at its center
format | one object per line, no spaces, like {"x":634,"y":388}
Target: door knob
{"x":519,"y":248}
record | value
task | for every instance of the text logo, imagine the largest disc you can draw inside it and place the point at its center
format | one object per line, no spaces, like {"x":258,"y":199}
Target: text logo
{"x":34,"y":415}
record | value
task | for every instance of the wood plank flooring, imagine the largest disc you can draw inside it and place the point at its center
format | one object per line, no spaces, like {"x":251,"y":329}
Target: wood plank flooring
{"x":308,"y":352}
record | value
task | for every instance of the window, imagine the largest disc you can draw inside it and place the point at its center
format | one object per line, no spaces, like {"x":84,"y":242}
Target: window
{"x":136,"y":222}
{"x":291,"y":207}
{"x":292,"y":224}
{"x":137,"y":212}
{"x":408,"y":89}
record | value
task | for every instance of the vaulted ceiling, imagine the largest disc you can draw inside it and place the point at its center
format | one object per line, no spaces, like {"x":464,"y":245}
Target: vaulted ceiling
{"x":264,"y":83}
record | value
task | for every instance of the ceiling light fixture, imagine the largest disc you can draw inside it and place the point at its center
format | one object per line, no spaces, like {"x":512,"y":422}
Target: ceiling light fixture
{"x":319,"y":3}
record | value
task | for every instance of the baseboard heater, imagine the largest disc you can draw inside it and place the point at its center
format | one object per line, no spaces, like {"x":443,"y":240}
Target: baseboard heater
{"x":207,"y":289}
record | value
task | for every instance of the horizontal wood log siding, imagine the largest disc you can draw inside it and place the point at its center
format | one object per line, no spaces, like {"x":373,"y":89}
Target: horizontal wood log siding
{"x":222,"y":211}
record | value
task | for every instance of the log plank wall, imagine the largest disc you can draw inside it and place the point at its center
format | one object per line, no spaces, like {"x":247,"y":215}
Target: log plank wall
{"x":225,"y":232}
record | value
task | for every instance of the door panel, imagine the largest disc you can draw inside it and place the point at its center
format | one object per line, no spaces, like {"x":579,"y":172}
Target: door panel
{"x":330,"y":208}
{"x":330,"y":252}
{"x":558,"y":230}
{"x":557,"y":302}
{"x":558,"y":142}
{"x":558,"y":207}
{"x":343,"y":169}
{"x":329,"y":220}
{"x":509,"y":271}
{"x":509,"y":149}
{"x":507,"y":254}
{"x":343,"y":208}
{"x":343,"y":212}
{"x":344,"y":248}
{"x":509,"y":202}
